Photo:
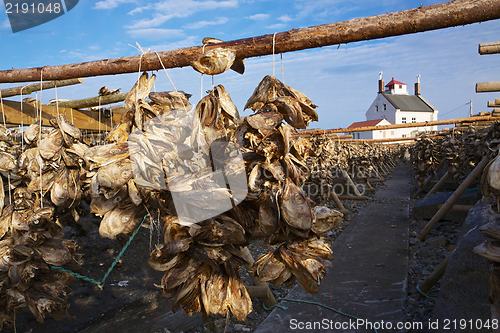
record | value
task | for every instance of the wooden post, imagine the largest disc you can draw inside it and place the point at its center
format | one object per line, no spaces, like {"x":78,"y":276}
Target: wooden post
{"x":428,"y":180}
{"x":350,"y":183}
{"x":30,"y":88}
{"x":340,"y":206}
{"x":439,"y":184}
{"x":494,"y":104}
{"x":454,"y":197}
{"x":269,"y":300}
{"x":424,"y":18}
{"x":94,"y":101}
{"x":493,"y":86}
{"x":489,"y":48}
{"x":435,"y":275}
{"x":459,"y":208}
{"x":352,"y":197}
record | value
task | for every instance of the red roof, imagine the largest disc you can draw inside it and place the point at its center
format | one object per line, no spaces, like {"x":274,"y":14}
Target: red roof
{"x":393,"y":82}
{"x":365,"y":123}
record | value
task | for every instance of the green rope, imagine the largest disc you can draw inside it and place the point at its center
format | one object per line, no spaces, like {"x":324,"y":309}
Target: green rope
{"x":100,"y":284}
{"x":424,"y":294}
{"x":313,"y":303}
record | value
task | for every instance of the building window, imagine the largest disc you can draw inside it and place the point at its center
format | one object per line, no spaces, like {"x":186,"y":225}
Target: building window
{"x":359,"y":135}
{"x":376,"y":108}
{"x":403,"y":136}
{"x":385,"y":107}
{"x":403,"y":120}
{"x":400,"y":87}
{"x":413,"y":120}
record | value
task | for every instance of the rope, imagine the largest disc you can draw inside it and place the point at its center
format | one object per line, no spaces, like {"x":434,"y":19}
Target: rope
{"x":274,"y":44}
{"x":40,"y":138}
{"x":313,"y":303}
{"x":100,"y":284}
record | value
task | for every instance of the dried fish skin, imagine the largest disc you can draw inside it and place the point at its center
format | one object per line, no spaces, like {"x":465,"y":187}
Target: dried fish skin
{"x":240,"y":302}
{"x":318,"y":247}
{"x":294,"y":208}
{"x":325,"y":219}
{"x":67,"y":127}
{"x":489,"y":250}
{"x":120,"y":220}
{"x":266,"y":92}
{"x":268,"y":214}
{"x":140,"y":90}
{"x":270,"y":269}
{"x":265,"y":119}
{"x":226,"y":103}
{"x":161,"y":262}
{"x":115,"y":175}
{"x":290,"y":108}
{"x":7,"y":162}
{"x":304,"y":277}
{"x":214,"y":61}
{"x":49,"y":147}
{"x":491,"y":229}
{"x":99,"y":205}
{"x":54,"y":252}
{"x":99,"y":156}
{"x":32,"y":132}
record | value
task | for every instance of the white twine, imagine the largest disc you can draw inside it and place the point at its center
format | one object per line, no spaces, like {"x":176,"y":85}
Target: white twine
{"x":5,"y":125}
{"x":40,"y":138}
{"x":274,"y":44}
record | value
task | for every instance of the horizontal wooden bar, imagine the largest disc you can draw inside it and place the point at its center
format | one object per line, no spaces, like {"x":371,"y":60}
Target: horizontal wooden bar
{"x":30,"y":88}
{"x":84,"y":120}
{"x":94,"y":101}
{"x":410,"y":125}
{"x":493,"y":86}
{"x":424,"y":18}
{"x":489,"y":48}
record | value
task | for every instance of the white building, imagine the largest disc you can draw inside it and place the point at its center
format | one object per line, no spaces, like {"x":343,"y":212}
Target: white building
{"x":396,"y":106}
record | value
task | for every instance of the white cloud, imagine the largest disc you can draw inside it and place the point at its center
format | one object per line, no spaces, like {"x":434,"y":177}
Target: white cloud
{"x":5,"y":24}
{"x":94,"y":47}
{"x":155,"y":33}
{"x":285,"y":18}
{"x":258,"y":17}
{"x":169,"y":9}
{"x":202,"y":24}
{"x":110,"y":4}
{"x":276,"y":26}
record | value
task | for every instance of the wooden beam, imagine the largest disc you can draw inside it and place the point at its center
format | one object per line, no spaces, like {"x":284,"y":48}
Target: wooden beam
{"x":453,"y":198}
{"x":424,"y":18}
{"x":30,"y":88}
{"x":84,"y":120}
{"x":94,"y":101}
{"x":410,"y":125}
{"x":489,"y":48}
{"x":493,"y":86}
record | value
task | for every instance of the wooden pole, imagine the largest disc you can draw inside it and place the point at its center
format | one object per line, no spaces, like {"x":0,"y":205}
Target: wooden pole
{"x":428,"y":180}
{"x":459,"y":208}
{"x":435,"y":275}
{"x":340,"y":206}
{"x":489,"y":48}
{"x":94,"y":101}
{"x":30,"y":88}
{"x":269,"y":300}
{"x":493,"y":86}
{"x":494,"y":104}
{"x":350,"y":183}
{"x":352,"y":197}
{"x":410,"y":125}
{"x":439,"y":184}
{"x":454,"y":197}
{"x":424,"y":18}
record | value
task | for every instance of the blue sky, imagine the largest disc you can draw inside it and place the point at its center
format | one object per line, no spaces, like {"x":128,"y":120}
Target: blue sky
{"x":342,"y":82}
